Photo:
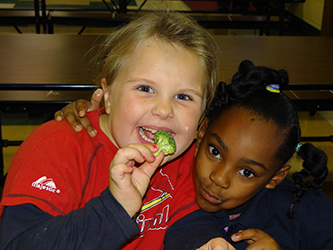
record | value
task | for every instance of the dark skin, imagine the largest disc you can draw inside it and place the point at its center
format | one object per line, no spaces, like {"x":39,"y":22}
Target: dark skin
{"x":251,"y":135}
{"x":235,"y":160}
{"x":75,"y":113}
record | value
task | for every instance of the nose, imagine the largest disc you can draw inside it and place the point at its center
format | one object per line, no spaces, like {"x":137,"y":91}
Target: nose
{"x":220,"y":177}
{"x":163,"y":109}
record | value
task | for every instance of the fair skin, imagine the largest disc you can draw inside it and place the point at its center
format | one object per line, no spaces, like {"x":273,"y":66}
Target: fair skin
{"x":235,"y":160}
{"x":159,"y":87}
{"x":217,"y":244}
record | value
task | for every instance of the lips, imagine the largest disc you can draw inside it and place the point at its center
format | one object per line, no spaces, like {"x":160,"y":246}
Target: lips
{"x":210,"y":197}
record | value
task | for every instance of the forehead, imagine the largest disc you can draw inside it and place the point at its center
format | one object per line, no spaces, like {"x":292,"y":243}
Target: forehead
{"x":247,"y":135}
{"x":158,"y":59}
{"x":152,"y":46}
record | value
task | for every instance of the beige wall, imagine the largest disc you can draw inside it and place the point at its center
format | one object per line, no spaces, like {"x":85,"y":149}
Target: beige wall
{"x":311,"y":11}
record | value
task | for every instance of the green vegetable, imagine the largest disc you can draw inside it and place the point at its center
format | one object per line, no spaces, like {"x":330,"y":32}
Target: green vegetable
{"x":165,"y":143}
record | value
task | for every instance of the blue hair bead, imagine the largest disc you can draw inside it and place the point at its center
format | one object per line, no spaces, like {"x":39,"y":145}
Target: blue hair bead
{"x":274,"y":88}
{"x":299,"y":145}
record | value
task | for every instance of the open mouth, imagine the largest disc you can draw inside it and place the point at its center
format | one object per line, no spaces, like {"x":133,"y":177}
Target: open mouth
{"x":147,"y":134}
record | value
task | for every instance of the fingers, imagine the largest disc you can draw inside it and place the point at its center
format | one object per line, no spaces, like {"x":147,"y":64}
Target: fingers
{"x":96,"y":99}
{"x":217,"y":244}
{"x":140,"y":155}
{"x":250,"y":235}
{"x":128,"y":184}
{"x":258,"y":239}
{"x":58,"y":116}
{"x":151,"y":166}
{"x":135,"y":153}
{"x":121,"y":175}
{"x":75,"y":115}
{"x":83,"y":106}
{"x":70,"y":113}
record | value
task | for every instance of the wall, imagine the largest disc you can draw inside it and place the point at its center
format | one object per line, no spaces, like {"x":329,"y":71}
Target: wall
{"x":311,"y":11}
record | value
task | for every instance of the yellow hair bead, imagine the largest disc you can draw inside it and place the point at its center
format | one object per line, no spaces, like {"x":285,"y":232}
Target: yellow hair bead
{"x":273,"y":88}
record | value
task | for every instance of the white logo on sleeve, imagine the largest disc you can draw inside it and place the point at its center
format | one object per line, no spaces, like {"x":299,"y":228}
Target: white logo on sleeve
{"x":47,"y":184}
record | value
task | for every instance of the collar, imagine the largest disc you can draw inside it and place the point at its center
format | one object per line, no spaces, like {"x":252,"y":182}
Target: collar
{"x":259,"y":210}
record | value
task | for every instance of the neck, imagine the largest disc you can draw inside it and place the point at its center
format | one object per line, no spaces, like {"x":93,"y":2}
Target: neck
{"x":105,"y":124}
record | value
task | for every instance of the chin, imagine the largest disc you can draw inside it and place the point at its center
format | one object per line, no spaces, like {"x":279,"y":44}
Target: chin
{"x":206,"y":206}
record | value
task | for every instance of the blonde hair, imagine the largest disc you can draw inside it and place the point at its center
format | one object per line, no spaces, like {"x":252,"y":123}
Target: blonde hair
{"x":172,"y":27}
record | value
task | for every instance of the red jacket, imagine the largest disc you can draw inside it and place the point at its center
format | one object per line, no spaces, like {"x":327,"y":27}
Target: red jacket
{"x":59,"y":171}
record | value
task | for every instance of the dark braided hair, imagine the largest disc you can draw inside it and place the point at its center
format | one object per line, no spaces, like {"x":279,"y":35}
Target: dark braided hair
{"x":248,"y":91}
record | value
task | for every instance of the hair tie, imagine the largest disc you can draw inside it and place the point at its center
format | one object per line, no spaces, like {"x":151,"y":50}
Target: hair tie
{"x":274,"y":88}
{"x":299,"y":145}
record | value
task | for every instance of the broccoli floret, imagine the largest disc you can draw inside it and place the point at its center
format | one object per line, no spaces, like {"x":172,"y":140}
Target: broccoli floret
{"x":165,"y":143}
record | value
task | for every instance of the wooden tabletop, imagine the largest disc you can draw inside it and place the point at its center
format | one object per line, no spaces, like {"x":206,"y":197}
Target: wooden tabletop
{"x":308,"y":60}
{"x":64,"y":61}
{"x":45,"y":60}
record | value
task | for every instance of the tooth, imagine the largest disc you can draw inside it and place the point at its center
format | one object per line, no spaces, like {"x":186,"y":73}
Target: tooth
{"x":149,"y":129}
{"x":144,"y":136}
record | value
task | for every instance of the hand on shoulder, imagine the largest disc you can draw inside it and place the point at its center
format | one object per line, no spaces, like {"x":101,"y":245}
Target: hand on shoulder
{"x":75,"y":113}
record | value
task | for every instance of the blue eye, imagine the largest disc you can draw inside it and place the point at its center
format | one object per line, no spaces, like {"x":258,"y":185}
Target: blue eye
{"x":215,"y":152}
{"x":183,"y":97}
{"x":145,"y":88}
{"x":248,"y":173}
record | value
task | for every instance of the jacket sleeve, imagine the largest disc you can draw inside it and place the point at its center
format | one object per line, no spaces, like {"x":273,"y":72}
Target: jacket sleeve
{"x":101,"y":224}
{"x":192,"y":231}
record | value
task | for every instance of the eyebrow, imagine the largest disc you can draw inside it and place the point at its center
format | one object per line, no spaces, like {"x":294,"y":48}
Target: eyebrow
{"x":254,"y":163}
{"x":134,"y":80}
{"x":220,"y":141}
{"x":194,"y":92}
{"x":246,"y":160}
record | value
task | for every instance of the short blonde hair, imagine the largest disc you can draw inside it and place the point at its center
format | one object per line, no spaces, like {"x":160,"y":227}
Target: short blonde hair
{"x":172,"y":27}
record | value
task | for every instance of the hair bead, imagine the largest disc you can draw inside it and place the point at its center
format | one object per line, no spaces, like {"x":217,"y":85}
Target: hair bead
{"x":274,"y":88}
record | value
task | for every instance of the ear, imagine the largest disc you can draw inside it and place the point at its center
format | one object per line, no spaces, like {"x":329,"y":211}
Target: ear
{"x":201,"y":131}
{"x":278,"y":177}
{"x":107,"y":99}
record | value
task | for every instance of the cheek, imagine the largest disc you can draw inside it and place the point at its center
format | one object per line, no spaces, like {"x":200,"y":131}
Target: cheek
{"x":122,"y":121}
{"x":201,"y":169}
{"x":188,"y":121}
{"x":187,"y":127}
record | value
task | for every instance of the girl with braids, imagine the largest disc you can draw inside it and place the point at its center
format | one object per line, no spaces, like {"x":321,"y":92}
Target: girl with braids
{"x":250,"y":132}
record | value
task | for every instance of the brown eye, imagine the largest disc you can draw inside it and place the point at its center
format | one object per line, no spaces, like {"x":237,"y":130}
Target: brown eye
{"x":183,"y":97}
{"x":247,"y":173}
{"x":215,"y":152}
{"x":145,"y":88}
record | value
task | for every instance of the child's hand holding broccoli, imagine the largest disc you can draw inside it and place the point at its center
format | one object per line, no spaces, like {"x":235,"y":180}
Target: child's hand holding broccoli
{"x":128,"y":184}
